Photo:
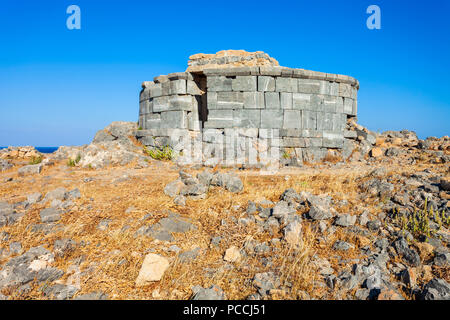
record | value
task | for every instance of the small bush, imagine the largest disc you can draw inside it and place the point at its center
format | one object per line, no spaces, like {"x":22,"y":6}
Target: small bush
{"x":74,"y":162}
{"x":36,"y":160}
{"x":166,"y":153}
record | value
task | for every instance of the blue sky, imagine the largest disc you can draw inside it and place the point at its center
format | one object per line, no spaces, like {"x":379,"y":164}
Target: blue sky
{"x":59,"y":86}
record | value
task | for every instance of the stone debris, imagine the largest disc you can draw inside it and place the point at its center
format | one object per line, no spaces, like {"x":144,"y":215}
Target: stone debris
{"x":153,"y":269}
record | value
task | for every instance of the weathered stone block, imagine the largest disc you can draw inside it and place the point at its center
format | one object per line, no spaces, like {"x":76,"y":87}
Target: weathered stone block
{"x":253,"y":100}
{"x":266,"y":83}
{"x":272,"y":100}
{"x":332,"y":139}
{"x":270,"y":70}
{"x":292,"y":119}
{"x":192,"y":88}
{"x":178,"y":87}
{"x":161,"y":104}
{"x":165,"y":88}
{"x":218,"y":83}
{"x":181,"y":102}
{"x":144,"y":94}
{"x":152,"y":121}
{"x":339,"y":121}
{"x":324,"y":121}
{"x":174,"y":119}
{"x":286,"y":100}
{"x":155,"y":90}
{"x":244,"y":83}
{"x":345,"y":90}
{"x":290,"y":142}
{"x":219,"y":119}
{"x":271,"y":119}
{"x":230,"y":100}
{"x":348,"y":106}
{"x":330,"y":103}
{"x":211,"y":100}
{"x":309,"y":86}
{"x":246,"y":118}
{"x":194,"y":122}
{"x":286,"y":84}
{"x":309,"y":119}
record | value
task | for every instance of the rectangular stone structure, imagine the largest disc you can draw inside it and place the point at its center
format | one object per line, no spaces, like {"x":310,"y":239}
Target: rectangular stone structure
{"x":230,"y":100}
{"x":244,"y":83}
{"x":181,"y":102}
{"x":177,"y":87}
{"x":266,"y":83}
{"x":173,"y":119}
{"x":253,"y":100}
{"x":309,"y":119}
{"x":219,"y":119}
{"x":286,"y":84}
{"x":246,"y":118}
{"x":271,"y":119}
{"x":272,"y":100}
{"x":192,"y":88}
{"x":286,"y":100}
{"x":332,"y":139}
{"x":309,"y":86}
{"x":153,"y":121}
{"x":292,"y":119}
{"x":218,"y":83}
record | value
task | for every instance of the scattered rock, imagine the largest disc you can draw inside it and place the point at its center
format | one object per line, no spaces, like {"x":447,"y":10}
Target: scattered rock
{"x":342,"y":245}
{"x":408,"y":254}
{"x":153,"y":269}
{"x":212,"y":293}
{"x":232,"y":254}
{"x":50,"y":215}
{"x":436,"y":289}
{"x":30,"y":169}
{"x":345,"y":220}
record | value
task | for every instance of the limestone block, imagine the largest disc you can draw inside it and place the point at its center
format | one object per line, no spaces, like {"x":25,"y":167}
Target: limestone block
{"x":180,"y":76}
{"x":174,"y":119}
{"x":194,"y":122}
{"x":266,"y":83}
{"x":333,"y":139}
{"x":253,"y":100}
{"x":144,"y":107}
{"x":355,"y":108}
{"x":348,"y":106}
{"x":309,"y":86}
{"x":286,"y":100}
{"x":211,"y":100}
{"x":292,"y":119}
{"x":181,"y":102}
{"x":144,"y":94}
{"x":161,"y":104}
{"x":286,"y":84}
{"x":309,"y":119}
{"x":314,"y":154}
{"x":155,"y":90}
{"x":339,"y":105}
{"x":219,"y":119}
{"x":246,"y":118}
{"x":213,"y":135}
{"x":152,"y":121}
{"x":311,"y":133}
{"x":301,"y":101}
{"x":165,"y":88}
{"x":270,"y":70}
{"x":330,"y":103}
{"x":244,"y":83}
{"x":329,"y":88}
{"x":271,"y":119}
{"x":324,"y":121}
{"x":218,"y":83}
{"x":177,"y":87}
{"x":272,"y":100}
{"x":345,"y":90}
{"x":350,"y":134}
{"x":230,"y":100}
{"x":290,"y":142}
{"x":192,"y":88}
{"x":339,"y":121}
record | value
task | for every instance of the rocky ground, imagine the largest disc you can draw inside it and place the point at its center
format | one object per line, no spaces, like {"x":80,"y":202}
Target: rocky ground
{"x":105,"y":221}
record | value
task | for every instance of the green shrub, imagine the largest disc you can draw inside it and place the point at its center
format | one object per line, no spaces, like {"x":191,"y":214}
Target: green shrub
{"x":166,"y":153}
{"x":74,"y":162}
{"x":36,"y":160}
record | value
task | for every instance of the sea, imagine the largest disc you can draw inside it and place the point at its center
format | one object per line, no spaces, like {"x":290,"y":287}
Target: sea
{"x":41,"y":149}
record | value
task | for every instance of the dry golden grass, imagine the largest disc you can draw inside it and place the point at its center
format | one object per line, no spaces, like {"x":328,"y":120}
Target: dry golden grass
{"x":111,"y":259}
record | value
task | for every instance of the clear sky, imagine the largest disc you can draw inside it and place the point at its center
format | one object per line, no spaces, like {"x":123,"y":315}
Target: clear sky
{"x":59,"y":86}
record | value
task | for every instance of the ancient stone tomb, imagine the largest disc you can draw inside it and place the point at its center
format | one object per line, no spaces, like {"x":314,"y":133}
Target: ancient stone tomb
{"x":237,"y":107}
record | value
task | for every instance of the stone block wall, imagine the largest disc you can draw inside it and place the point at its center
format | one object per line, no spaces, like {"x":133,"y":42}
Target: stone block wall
{"x":298,"y":110}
